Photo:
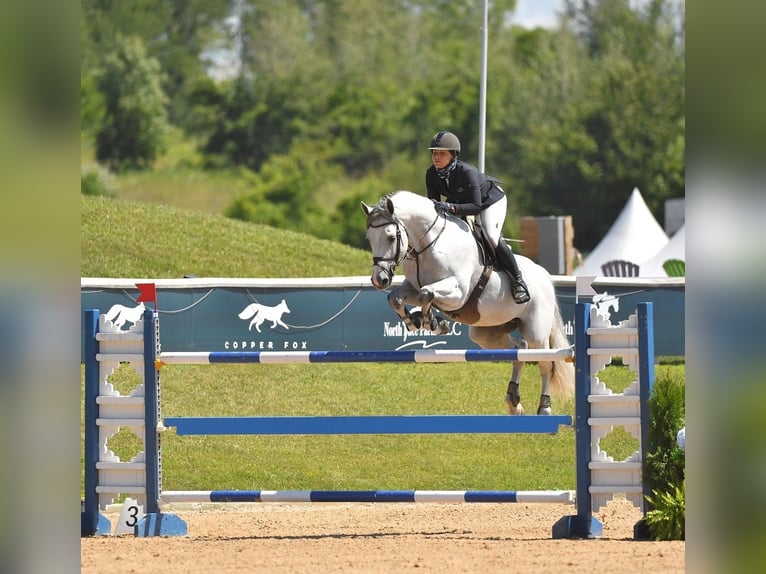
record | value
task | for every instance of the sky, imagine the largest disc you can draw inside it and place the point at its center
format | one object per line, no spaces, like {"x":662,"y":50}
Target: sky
{"x":534,"y":13}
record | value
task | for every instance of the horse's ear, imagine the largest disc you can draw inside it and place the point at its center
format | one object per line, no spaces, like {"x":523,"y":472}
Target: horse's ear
{"x":390,"y":205}
{"x":366,"y":208}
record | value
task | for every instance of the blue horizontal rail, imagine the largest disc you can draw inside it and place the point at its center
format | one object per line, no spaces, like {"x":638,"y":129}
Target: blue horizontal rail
{"x":366,"y":425}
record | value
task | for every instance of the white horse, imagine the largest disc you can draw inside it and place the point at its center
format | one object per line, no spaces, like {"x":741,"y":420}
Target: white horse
{"x":444,"y":268}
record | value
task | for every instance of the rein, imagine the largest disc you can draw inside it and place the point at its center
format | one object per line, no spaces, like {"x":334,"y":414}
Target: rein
{"x":398,"y":256}
{"x":411,"y":252}
{"x":414,"y":251}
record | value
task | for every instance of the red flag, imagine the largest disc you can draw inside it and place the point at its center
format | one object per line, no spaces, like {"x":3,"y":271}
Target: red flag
{"x":147,"y":292}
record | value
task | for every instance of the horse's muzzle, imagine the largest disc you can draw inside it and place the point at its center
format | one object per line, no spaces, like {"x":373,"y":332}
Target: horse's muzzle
{"x":380,"y":278}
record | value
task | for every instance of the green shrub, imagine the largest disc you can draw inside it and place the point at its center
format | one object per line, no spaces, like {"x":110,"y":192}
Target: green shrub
{"x":664,"y":463}
{"x":97,"y":180}
{"x":667,"y":519}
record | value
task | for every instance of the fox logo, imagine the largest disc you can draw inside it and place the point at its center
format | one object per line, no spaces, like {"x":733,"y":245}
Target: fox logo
{"x":260,"y":313}
{"x":603,"y":301}
{"x":120,"y":314}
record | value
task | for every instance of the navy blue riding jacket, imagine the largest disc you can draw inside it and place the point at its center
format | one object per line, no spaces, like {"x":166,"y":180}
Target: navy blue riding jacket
{"x":466,"y":187}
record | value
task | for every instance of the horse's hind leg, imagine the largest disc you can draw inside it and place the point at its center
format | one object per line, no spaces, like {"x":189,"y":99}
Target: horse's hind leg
{"x":499,"y":338}
{"x":513,"y":398}
{"x":512,"y":395}
{"x":544,"y":408}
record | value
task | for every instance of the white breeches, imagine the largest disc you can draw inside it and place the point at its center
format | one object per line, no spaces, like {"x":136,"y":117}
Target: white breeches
{"x":492,"y":219}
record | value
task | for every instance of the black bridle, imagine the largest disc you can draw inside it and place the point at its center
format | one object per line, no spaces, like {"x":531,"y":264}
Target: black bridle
{"x":411,"y":252}
{"x":398,"y":256}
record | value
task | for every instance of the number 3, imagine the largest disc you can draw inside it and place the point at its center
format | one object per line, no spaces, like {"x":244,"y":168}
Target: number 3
{"x":132,"y":516}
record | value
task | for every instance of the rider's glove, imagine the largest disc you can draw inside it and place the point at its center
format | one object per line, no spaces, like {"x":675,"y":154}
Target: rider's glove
{"x":443,"y":207}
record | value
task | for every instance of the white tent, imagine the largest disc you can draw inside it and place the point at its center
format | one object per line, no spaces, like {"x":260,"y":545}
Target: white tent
{"x":675,"y":249}
{"x":634,"y":236}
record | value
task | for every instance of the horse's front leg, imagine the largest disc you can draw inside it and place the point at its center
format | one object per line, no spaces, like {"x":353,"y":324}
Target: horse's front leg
{"x":398,"y":299}
{"x":449,"y":294}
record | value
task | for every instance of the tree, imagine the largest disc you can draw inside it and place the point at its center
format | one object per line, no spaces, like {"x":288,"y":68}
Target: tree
{"x":577,"y":116}
{"x":287,"y":191}
{"x":180,"y":34}
{"x":135,"y":121}
{"x":598,"y":110}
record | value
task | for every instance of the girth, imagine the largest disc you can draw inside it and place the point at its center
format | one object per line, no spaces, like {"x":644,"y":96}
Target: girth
{"x":469,"y":313}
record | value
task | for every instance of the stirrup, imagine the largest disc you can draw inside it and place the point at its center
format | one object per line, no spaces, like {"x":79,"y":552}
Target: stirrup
{"x":520,"y":292}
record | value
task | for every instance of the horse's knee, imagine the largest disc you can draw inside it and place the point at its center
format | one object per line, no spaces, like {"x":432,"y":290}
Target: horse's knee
{"x":425,"y":296}
{"x":394,"y":300}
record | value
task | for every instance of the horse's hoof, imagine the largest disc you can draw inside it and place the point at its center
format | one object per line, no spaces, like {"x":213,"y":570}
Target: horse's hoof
{"x":544,"y":408}
{"x":516,"y":409}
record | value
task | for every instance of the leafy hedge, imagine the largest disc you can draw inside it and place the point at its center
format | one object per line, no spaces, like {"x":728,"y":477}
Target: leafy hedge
{"x":664,"y":464}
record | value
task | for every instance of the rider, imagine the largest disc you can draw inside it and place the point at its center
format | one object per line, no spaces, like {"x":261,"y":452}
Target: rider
{"x":470,"y":192}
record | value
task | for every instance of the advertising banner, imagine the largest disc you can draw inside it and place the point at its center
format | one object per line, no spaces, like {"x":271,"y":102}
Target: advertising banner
{"x":336,"y":313}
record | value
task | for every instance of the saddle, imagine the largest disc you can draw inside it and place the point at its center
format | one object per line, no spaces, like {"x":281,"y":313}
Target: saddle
{"x":486,"y":250}
{"x":469,"y":312}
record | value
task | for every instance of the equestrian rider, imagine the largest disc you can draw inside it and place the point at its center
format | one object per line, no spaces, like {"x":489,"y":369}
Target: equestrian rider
{"x":469,"y":192}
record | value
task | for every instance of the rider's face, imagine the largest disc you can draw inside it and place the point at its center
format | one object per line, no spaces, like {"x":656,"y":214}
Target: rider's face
{"x":441,"y":158}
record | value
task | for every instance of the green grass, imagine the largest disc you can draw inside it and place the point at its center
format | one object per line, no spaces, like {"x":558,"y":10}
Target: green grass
{"x":122,"y":238}
{"x":188,"y":188}
{"x":136,"y":239}
{"x":360,"y":462}
{"x":177,"y":180}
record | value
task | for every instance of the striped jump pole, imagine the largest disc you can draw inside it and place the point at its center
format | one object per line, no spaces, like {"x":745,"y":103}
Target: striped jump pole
{"x":403,"y":356}
{"x":434,"y":496}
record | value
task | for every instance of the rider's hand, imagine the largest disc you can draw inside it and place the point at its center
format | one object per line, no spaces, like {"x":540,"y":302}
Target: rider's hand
{"x":443,"y":207}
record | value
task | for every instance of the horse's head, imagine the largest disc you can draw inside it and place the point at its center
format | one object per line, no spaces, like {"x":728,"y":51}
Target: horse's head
{"x":388,"y":241}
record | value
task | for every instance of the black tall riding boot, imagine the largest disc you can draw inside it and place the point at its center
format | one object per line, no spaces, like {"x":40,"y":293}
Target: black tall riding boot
{"x":506,"y":258}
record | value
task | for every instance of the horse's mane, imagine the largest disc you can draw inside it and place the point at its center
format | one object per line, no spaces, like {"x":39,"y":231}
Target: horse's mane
{"x":407,"y":199}
{"x":382,"y":206}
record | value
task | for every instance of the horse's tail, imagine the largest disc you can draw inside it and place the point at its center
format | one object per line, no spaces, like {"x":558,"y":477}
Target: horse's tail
{"x":562,"y":375}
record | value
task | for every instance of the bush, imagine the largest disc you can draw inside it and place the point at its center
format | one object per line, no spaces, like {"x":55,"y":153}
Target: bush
{"x":97,"y":180}
{"x":667,"y":520}
{"x":664,"y":464}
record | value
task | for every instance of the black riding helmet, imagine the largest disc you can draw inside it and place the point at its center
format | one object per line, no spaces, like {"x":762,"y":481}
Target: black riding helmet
{"x":446,"y":141}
